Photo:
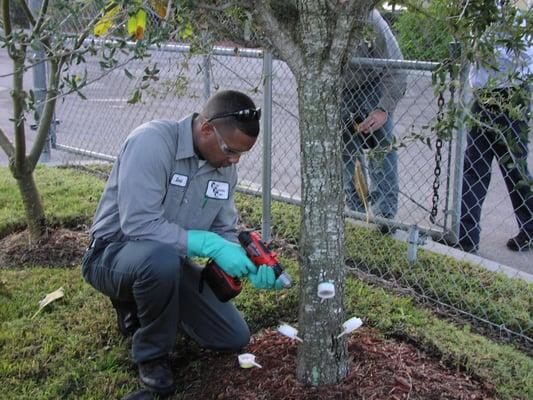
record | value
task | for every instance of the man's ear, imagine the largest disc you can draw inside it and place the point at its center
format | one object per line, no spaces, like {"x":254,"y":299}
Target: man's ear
{"x":205,"y":129}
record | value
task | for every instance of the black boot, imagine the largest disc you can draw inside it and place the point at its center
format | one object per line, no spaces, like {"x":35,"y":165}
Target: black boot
{"x":127,"y":321}
{"x":143,"y":394}
{"x":156,"y":375}
{"x":521,"y":242}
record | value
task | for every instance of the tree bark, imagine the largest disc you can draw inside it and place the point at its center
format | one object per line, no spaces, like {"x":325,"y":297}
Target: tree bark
{"x":322,"y":358}
{"x":32,"y":206}
{"x":21,"y":169}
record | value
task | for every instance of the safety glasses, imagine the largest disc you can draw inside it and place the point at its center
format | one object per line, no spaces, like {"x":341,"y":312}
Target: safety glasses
{"x":248,"y":114}
{"x":228,"y":151}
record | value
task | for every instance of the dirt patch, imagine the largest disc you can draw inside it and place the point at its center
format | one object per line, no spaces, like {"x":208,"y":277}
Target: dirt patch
{"x":380,"y":369}
{"x":59,"y":248}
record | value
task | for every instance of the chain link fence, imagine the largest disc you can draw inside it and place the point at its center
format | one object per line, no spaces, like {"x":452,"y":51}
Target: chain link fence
{"x":403,"y":229}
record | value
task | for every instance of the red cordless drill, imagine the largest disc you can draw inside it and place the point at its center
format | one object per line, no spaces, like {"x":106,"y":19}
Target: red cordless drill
{"x":227,"y":287}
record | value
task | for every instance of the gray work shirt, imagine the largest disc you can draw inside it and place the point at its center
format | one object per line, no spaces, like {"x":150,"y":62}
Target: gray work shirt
{"x":157,"y":190}
{"x":378,"y":42}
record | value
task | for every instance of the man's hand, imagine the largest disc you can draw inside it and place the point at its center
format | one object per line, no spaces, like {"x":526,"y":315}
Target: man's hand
{"x":264,"y":278}
{"x":375,"y":120}
{"x":229,"y":256}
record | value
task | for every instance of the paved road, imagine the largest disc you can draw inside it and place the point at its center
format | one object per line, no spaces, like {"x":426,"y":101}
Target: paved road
{"x":101,"y":123}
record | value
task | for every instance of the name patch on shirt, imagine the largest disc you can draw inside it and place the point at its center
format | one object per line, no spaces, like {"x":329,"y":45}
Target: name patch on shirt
{"x":179,"y":180}
{"x":217,"y":190}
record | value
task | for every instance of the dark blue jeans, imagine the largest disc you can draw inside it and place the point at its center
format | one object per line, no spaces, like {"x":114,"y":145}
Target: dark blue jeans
{"x":382,"y":161}
{"x":165,"y":287}
{"x":505,"y":139}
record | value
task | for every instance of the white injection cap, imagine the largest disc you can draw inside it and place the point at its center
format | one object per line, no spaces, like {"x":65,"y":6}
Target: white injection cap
{"x":247,"y":360}
{"x":289,"y":331}
{"x":350,"y":325}
{"x":326,"y":290}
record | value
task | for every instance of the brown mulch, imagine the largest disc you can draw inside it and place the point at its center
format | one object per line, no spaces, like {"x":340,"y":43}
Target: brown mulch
{"x":59,"y":248}
{"x":380,"y":369}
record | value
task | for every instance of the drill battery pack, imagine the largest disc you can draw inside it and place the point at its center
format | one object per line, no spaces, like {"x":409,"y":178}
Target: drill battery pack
{"x":224,"y":286}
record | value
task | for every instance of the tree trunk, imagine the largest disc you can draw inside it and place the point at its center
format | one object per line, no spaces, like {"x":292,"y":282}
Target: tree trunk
{"x":322,"y":358}
{"x":32,"y":206}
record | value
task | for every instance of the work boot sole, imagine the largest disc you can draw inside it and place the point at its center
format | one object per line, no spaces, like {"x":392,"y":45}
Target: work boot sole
{"x":159,"y":391}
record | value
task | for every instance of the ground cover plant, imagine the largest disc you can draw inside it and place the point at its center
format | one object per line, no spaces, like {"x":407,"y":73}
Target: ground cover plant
{"x":72,"y":350}
{"x":487,"y":295}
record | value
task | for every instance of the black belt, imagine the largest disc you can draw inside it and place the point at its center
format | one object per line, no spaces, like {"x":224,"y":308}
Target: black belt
{"x":91,"y":243}
{"x":97,"y":243}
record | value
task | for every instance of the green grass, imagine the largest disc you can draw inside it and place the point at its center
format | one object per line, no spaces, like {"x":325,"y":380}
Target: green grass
{"x":71,"y":349}
{"x":69,"y":198}
{"x":487,"y":295}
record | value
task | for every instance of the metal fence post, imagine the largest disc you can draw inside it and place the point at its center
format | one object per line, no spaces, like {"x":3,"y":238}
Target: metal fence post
{"x":206,"y":62}
{"x":207,"y":76}
{"x":412,"y":244}
{"x":39,"y":85}
{"x":460,"y":144}
{"x":267,"y":146}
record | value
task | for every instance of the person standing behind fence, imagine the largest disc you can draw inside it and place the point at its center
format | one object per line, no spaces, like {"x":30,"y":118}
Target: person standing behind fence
{"x":169,"y":198}
{"x":500,"y":113}
{"x":369,"y":98}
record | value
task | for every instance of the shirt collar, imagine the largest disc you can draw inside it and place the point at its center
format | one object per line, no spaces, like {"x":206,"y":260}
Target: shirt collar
{"x":185,"y":142}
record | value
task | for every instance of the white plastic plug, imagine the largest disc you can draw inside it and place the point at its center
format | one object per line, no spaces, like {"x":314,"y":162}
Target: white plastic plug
{"x":247,"y":360}
{"x":289,"y":331}
{"x":350,"y":325}
{"x":326,"y":290}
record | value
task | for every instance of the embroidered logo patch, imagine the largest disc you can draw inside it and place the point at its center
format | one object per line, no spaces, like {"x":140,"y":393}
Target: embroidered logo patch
{"x":217,"y":190}
{"x":179,"y":180}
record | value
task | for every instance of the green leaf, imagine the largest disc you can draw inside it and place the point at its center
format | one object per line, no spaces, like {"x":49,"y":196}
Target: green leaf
{"x":136,"y":97}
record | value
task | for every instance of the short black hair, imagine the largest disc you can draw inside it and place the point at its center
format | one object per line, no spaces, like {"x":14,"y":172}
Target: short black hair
{"x":229,"y":101}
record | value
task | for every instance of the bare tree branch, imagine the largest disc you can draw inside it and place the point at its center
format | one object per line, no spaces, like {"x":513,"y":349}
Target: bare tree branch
{"x":169,"y":10}
{"x":7,"y":26}
{"x":104,"y":74}
{"x":17,"y":94}
{"x":41,"y":18}
{"x":6,"y":144}
{"x":282,"y":39}
{"x":47,"y":114}
{"x":345,"y":17}
{"x":27,"y":12}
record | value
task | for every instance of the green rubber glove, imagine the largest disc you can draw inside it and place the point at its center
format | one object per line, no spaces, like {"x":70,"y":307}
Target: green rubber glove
{"x":231,"y":257}
{"x":264,"y":278}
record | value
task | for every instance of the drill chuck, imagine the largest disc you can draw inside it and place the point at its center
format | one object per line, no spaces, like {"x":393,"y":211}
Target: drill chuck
{"x":285,"y":280}
{"x":226,"y":287}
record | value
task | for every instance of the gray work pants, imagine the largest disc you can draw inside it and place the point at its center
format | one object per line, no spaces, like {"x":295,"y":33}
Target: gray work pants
{"x":164,"y":285}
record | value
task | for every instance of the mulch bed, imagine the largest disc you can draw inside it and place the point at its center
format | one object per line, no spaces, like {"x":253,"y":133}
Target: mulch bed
{"x":380,"y":369}
{"x":59,"y":248}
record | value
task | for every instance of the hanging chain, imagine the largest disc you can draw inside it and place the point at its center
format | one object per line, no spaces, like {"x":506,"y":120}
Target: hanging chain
{"x":438,"y":158}
{"x":443,"y":128}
